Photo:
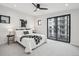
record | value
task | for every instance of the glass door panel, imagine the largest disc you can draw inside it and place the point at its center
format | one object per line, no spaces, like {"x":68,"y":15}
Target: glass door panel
{"x":52,"y":28}
{"x":58,"y":28}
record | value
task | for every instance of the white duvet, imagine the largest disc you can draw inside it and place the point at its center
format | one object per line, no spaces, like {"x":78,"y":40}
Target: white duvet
{"x":29,"y":43}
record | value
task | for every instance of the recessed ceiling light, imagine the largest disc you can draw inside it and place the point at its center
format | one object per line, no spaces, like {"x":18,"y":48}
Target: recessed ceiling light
{"x":66,"y":4}
{"x":14,"y":5}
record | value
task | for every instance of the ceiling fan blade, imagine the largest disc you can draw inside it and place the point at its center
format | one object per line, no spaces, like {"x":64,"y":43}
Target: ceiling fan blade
{"x":34,"y":5}
{"x":43,"y":8}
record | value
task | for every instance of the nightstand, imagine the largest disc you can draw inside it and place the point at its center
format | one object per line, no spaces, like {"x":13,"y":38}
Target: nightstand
{"x":10,"y":38}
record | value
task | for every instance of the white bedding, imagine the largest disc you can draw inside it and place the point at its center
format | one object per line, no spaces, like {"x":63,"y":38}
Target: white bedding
{"x":29,"y":43}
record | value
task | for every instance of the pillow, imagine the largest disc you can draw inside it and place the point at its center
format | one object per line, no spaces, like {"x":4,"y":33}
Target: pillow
{"x":30,"y":31}
{"x":27,"y":32}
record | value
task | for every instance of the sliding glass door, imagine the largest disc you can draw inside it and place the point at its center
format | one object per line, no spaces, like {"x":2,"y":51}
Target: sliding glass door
{"x":58,"y":28}
{"x":52,"y":28}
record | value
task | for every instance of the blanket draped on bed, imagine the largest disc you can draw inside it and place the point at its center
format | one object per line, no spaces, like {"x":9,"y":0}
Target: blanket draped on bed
{"x":37,"y":39}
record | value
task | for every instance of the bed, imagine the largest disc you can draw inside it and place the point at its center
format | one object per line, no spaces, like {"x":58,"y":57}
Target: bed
{"x":30,"y":41}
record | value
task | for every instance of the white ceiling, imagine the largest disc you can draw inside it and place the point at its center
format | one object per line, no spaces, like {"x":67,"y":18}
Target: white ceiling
{"x":52,"y":7}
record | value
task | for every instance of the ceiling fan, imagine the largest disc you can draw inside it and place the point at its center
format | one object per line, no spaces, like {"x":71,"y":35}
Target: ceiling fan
{"x":38,"y":7}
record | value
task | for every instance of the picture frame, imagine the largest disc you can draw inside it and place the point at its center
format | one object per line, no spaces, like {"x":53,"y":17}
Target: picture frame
{"x":4,"y":19}
{"x":23,"y":22}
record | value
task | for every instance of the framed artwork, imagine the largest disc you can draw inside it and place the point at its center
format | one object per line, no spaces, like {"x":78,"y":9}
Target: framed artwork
{"x":4,"y":19}
{"x":23,"y":22}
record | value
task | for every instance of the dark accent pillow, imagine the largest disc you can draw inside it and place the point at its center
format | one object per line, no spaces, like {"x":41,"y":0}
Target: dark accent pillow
{"x":26,"y":32}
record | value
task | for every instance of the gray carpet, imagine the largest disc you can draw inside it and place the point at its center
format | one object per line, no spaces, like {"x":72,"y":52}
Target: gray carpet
{"x":51,"y":48}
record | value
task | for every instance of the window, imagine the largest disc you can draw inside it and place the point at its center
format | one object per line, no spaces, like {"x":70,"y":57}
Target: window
{"x":58,"y":28}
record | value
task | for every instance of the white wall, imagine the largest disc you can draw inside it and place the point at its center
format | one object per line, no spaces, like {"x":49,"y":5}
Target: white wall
{"x":15,"y":17}
{"x":74,"y":24}
{"x":42,"y":29}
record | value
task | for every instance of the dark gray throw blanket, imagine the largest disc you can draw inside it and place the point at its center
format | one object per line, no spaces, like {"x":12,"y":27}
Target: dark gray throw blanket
{"x":36,"y":38}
